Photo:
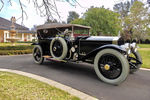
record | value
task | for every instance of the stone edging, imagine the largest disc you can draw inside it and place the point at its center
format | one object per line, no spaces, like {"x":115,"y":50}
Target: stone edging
{"x":145,"y":69}
{"x":68,"y":89}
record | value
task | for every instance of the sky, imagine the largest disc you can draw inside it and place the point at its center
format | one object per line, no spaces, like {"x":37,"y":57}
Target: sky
{"x":63,"y":8}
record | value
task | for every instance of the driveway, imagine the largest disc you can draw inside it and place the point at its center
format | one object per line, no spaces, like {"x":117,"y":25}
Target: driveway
{"x":83,"y":78}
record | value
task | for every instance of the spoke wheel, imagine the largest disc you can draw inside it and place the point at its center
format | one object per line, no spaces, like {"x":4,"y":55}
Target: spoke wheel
{"x":135,"y":55}
{"x":38,"y":54}
{"x":111,"y":66}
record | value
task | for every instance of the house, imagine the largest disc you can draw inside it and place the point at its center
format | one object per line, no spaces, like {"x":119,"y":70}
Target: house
{"x":22,"y":32}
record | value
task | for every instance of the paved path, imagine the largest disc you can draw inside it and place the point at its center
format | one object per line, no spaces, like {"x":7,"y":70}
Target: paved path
{"x":82,"y":77}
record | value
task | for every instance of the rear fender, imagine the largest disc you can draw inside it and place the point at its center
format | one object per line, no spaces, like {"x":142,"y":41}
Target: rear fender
{"x":109,"y":46}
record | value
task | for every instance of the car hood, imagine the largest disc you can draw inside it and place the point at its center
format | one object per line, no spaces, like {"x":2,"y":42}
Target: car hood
{"x":102,"y":38}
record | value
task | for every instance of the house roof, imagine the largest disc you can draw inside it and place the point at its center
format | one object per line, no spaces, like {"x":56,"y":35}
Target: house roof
{"x":58,"y":25}
{"x":5,"y":25}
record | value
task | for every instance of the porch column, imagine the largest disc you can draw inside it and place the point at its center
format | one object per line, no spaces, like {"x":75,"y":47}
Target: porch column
{"x":30,"y":37}
{"x":22,"y":36}
{"x":6,"y":35}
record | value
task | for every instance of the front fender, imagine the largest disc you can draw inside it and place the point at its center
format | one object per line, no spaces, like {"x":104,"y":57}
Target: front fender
{"x":110,"y":46}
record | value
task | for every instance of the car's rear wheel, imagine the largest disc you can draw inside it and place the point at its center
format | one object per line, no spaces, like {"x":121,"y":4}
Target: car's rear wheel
{"x":38,"y":54}
{"x":111,"y":66}
{"x":58,"y":48}
{"x":137,"y":56}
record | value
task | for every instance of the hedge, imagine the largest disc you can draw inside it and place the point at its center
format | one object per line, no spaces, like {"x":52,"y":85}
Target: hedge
{"x":146,"y":41}
{"x":24,"y":42}
{"x":15,"y":52}
{"x":18,"y":47}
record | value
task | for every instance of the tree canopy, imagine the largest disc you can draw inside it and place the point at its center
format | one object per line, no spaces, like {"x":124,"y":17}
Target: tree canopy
{"x":138,"y":20}
{"x":72,"y":16}
{"x":123,"y":8}
{"x":135,"y":19}
{"x":103,"y":21}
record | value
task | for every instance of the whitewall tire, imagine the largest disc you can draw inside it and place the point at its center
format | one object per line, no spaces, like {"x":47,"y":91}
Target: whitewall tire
{"x":107,"y":62}
{"x":58,"y":48}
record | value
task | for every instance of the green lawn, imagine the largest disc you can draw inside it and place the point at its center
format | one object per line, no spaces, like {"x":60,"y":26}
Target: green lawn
{"x":144,"y":45}
{"x":17,"y":87}
{"x":144,"y":51}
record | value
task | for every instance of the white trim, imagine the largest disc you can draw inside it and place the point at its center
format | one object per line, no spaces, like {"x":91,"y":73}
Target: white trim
{"x":30,"y":37}
{"x":6,"y":35}
{"x":22,"y":38}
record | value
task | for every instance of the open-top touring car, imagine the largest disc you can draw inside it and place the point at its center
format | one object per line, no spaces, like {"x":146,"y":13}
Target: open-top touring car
{"x":112,"y":57}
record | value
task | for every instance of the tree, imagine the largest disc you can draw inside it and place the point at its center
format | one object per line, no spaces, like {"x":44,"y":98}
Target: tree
{"x":34,"y":28}
{"x":123,"y":8}
{"x":51,"y":21}
{"x":46,"y":8}
{"x":148,"y":2}
{"x":103,"y":21}
{"x":138,"y":20}
{"x":79,"y":21}
{"x":72,"y":16}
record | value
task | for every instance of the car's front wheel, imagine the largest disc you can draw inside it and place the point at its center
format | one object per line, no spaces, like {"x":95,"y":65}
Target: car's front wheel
{"x":38,"y":54}
{"x":111,"y":66}
{"x":135,"y":55}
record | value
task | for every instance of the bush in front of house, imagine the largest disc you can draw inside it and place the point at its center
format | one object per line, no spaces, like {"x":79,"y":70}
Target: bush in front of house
{"x":17,"y":47}
{"x":24,"y":41}
{"x":16,"y":50}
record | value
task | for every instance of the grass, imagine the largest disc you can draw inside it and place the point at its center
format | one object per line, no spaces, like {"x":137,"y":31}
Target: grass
{"x":144,"y":51}
{"x":144,"y":45}
{"x":145,"y":54}
{"x":17,"y":87}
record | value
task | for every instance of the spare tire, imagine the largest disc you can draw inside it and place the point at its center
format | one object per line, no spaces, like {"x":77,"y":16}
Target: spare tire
{"x":58,"y":48}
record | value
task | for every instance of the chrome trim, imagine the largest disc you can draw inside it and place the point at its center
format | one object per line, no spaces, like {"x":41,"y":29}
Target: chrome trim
{"x":126,"y":46}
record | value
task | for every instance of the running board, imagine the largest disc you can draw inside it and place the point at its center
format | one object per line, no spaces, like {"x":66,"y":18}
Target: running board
{"x":47,"y":56}
{"x":52,"y":59}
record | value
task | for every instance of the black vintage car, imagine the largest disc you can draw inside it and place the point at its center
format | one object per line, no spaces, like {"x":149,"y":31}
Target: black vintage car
{"x":112,"y":57}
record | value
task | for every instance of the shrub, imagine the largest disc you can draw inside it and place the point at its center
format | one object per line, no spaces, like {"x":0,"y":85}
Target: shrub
{"x":19,"y":47}
{"x":24,"y":41}
{"x":15,"y":52}
{"x":147,"y":41}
